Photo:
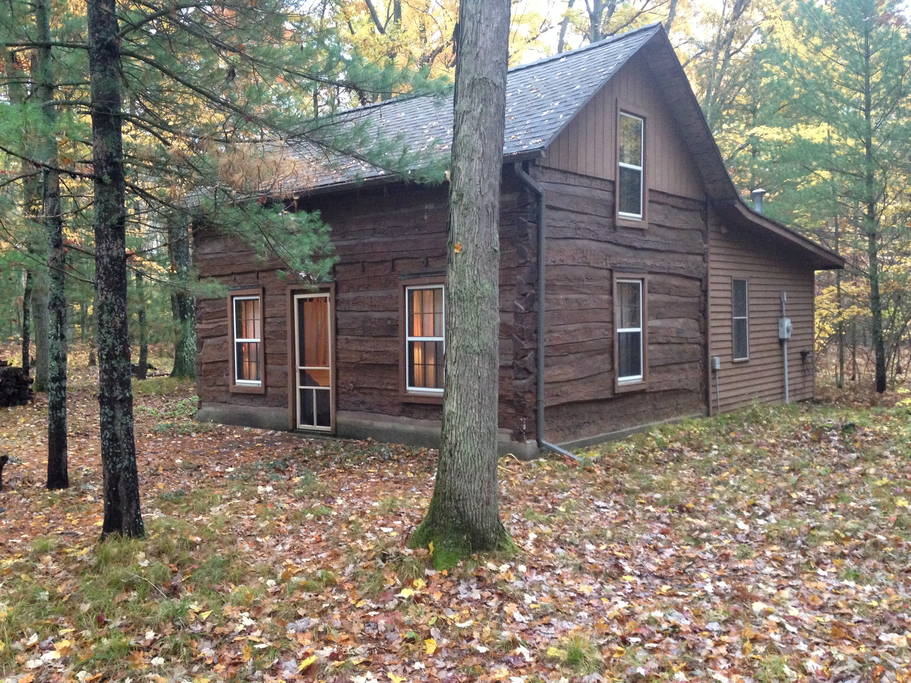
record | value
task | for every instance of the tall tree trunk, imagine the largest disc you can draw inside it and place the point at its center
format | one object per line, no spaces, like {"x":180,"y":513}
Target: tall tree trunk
{"x":26,"y":323}
{"x":877,"y":339}
{"x":840,"y":327}
{"x":93,"y":337}
{"x":183,"y":304}
{"x":671,"y":15}
{"x":854,"y":371}
{"x":595,"y":17}
{"x":57,"y":476}
{"x":40,"y":325}
{"x":142,"y":367}
{"x":31,"y":200}
{"x":464,"y":513}
{"x":871,"y":221}
{"x":118,"y":450}
{"x":564,"y":26}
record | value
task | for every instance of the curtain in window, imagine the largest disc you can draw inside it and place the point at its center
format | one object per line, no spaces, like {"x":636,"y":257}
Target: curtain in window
{"x":425,"y":337}
{"x":247,"y":339}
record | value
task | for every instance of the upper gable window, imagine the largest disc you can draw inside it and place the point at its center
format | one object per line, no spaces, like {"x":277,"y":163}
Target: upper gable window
{"x":631,"y":164}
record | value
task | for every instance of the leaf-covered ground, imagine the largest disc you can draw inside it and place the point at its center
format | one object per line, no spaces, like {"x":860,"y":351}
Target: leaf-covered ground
{"x":769,"y":545}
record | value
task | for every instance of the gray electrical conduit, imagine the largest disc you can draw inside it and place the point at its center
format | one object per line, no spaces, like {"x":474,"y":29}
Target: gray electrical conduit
{"x":533,"y":185}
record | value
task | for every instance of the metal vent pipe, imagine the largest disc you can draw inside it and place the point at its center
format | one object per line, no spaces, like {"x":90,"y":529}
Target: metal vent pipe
{"x":757,"y":196}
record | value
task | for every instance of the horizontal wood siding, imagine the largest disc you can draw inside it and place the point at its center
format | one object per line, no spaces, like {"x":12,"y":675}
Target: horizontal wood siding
{"x":584,"y":247}
{"x":769,"y":270}
{"x":384,"y":238}
{"x":588,"y":144}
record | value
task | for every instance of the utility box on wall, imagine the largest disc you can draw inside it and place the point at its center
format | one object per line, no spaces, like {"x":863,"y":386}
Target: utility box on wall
{"x":784,"y":328}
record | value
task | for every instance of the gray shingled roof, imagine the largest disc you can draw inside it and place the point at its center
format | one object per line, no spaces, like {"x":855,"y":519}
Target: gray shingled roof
{"x":541,"y":98}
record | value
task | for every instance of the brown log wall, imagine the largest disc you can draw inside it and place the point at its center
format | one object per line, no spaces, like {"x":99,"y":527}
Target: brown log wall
{"x":769,"y":270}
{"x":383,"y":237}
{"x":386,"y":236}
{"x":584,"y":248}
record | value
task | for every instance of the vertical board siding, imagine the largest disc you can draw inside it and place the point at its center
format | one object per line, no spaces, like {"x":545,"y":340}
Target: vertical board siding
{"x":584,"y":248}
{"x":769,"y":271}
{"x":382,"y":237}
{"x":588,"y":144}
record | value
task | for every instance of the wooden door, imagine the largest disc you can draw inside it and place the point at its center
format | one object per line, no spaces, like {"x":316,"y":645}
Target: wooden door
{"x":313,"y":361}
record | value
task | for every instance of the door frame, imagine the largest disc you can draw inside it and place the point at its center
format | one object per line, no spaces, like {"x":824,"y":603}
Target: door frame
{"x":295,"y":292}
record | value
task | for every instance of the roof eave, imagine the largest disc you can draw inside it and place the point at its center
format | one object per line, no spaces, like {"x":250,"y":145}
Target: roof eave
{"x":820,"y":257}
{"x":388,"y":179}
{"x":703,"y":146}
{"x":654,"y":29}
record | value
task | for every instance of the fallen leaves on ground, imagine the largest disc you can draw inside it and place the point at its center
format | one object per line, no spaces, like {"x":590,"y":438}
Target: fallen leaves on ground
{"x":769,"y":545}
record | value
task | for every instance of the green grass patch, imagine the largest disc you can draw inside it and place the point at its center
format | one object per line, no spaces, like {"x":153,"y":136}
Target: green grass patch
{"x":164,"y":386}
{"x":578,"y":653}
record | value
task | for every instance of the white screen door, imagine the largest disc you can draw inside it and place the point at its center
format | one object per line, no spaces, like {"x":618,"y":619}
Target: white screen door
{"x":313,"y":358}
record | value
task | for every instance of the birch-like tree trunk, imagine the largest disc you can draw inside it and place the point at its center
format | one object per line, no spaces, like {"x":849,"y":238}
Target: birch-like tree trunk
{"x":57,"y":474}
{"x":464,"y":513}
{"x":118,"y":450}
{"x":183,"y":304}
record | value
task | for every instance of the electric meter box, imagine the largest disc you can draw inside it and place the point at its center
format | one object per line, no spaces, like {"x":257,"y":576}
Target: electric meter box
{"x":784,"y":328}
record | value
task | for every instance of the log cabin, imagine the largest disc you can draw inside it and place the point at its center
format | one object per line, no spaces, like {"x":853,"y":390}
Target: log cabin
{"x":636,"y":285}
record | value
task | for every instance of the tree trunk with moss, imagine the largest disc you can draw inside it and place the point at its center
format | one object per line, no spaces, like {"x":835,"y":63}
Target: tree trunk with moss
{"x":464,"y":512}
{"x":118,"y":449}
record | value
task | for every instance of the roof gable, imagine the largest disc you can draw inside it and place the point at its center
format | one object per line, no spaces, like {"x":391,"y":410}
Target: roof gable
{"x":541,"y":99}
{"x":588,"y":144}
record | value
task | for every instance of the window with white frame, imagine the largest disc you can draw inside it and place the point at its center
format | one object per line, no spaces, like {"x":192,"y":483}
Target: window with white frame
{"x":425,"y":323}
{"x":630,"y":165}
{"x":248,"y":343}
{"x":628,"y":295}
{"x":740,"y":319}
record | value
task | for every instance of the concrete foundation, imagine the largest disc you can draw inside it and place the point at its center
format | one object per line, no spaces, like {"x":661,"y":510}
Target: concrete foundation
{"x":356,"y":425}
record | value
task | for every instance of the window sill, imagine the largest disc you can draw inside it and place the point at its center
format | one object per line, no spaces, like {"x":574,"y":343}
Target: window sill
{"x":625,"y":222}
{"x":247,"y":389}
{"x":417,"y":397}
{"x":629,"y":387}
{"x":738,"y":361}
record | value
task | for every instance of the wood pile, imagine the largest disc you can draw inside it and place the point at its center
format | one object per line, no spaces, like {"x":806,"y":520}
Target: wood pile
{"x":15,"y":386}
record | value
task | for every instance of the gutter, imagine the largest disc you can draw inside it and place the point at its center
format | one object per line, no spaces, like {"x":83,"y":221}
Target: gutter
{"x":536,"y":188}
